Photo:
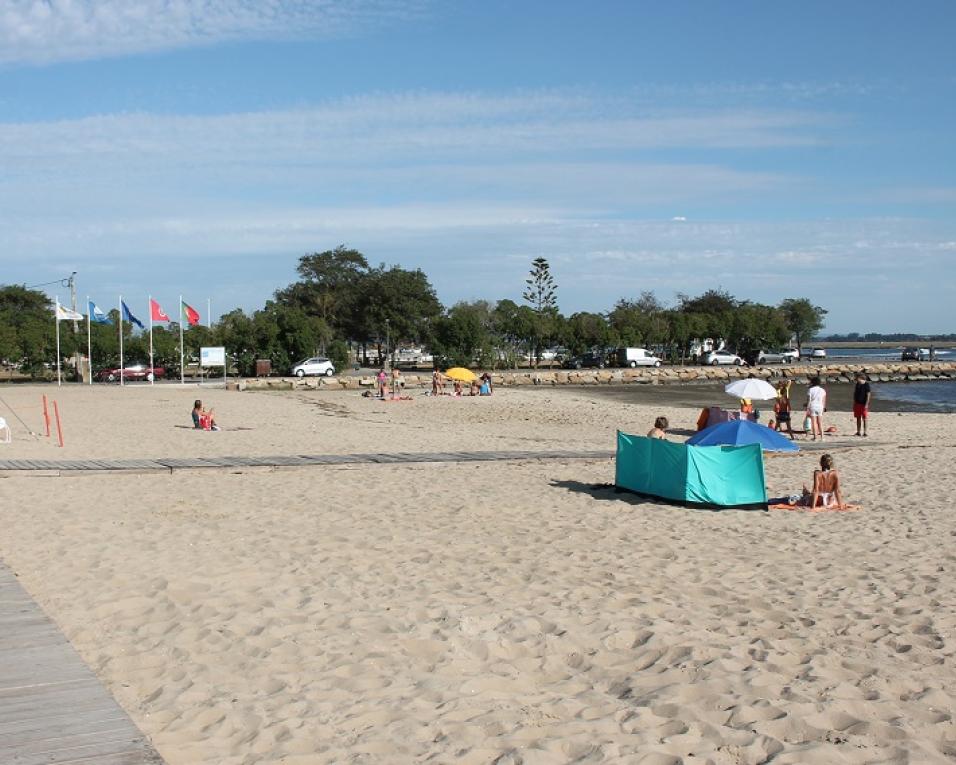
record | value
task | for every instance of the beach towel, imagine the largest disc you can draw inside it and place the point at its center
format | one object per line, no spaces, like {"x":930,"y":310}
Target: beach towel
{"x":847,"y":508}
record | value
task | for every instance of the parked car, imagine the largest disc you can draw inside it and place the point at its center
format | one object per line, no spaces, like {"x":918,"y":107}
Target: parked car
{"x":317,"y":365}
{"x":723,"y":357}
{"x":586,"y":360}
{"x":131,"y":372}
{"x":915,"y":354}
{"x":637,"y":357}
{"x":819,"y":353}
{"x":776,"y":357}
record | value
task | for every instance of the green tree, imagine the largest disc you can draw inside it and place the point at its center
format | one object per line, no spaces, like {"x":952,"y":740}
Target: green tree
{"x":515,"y":327}
{"x":803,"y":319}
{"x":238,"y":336}
{"x":400,"y":304}
{"x":717,"y":309}
{"x":585,"y":330}
{"x":755,"y":327}
{"x":30,"y":334}
{"x":464,"y":336}
{"x":541,"y":295}
{"x":332,"y":287}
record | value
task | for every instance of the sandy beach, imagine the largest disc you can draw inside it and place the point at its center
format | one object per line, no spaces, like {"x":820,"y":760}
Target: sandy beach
{"x":501,"y":612}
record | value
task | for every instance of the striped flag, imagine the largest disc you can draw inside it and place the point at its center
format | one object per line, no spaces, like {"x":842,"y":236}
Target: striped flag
{"x":190,"y":314}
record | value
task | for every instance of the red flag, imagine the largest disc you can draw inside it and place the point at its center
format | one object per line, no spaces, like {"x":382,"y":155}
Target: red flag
{"x":155,"y":312}
{"x":190,"y":314}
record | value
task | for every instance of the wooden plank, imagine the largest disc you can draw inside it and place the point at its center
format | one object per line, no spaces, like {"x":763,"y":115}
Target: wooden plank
{"x":295,"y":460}
{"x":53,"y":710}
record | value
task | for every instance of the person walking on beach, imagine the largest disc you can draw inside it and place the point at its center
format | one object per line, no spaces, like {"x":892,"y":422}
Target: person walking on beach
{"x":816,"y":406}
{"x":861,"y":403}
{"x":382,"y":382}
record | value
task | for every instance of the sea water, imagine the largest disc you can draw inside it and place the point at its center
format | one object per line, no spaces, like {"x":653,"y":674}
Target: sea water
{"x":932,"y":396}
{"x":885,"y":354}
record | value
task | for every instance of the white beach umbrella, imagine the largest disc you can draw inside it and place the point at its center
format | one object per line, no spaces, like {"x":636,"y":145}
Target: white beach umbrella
{"x":751,"y":388}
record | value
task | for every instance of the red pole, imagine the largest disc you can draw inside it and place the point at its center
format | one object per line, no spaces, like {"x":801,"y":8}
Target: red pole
{"x":59,"y":430}
{"x":46,"y":416}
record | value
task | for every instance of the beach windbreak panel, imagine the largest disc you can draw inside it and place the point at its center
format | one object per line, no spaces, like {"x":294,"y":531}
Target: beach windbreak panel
{"x":699,"y":476}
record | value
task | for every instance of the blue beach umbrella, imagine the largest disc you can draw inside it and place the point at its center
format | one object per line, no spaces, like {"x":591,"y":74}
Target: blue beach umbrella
{"x":740,"y":432}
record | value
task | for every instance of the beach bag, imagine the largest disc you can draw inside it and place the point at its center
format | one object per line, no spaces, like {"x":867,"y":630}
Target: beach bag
{"x":807,"y":423}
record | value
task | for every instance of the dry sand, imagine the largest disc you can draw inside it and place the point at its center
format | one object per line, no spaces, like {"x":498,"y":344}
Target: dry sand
{"x":492,"y":612}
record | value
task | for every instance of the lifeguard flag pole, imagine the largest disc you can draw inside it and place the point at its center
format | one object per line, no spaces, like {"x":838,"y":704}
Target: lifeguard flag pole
{"x":149,"y":307}
{"x":121,"y":319}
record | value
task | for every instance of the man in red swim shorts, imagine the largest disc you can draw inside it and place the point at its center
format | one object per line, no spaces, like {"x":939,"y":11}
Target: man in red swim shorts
{"x":861,"y":402}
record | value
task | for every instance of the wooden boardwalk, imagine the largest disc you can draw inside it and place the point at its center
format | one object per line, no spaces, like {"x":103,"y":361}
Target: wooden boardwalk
{"x":53,"y":710}
{"x":292,"y":460}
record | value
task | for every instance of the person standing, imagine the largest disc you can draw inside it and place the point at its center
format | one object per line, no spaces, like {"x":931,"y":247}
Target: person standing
{"x":816,"y":406}
{"x":782,"y":408}
{"x":861,"y":403}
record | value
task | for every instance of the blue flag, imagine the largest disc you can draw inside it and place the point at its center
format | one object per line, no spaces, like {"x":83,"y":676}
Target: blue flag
{"x":97,"y":315}
{"x":129,"y":316}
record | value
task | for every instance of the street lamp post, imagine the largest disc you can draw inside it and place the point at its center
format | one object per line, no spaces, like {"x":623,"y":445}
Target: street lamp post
{"x":388,"y":357}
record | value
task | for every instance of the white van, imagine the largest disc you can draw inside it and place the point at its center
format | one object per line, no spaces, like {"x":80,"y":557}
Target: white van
{"x":637,"y":357}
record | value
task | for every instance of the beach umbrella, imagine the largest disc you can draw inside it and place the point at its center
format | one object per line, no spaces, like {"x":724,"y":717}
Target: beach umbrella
{"x":741,"y":432}
{"x":751,"y":388}
{"x":461,"y":374}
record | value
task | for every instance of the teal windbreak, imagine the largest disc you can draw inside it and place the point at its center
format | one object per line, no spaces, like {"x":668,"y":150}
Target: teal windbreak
{"x":702,"y":476}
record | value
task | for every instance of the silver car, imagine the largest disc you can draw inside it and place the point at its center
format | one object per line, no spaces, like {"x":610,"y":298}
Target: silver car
{"x":776,"y":357}
{"x":722,"y":358}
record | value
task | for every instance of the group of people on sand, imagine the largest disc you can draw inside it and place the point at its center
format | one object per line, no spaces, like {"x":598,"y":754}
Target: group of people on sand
{"x":395,"y":391}
{"x":815,"y":406}
{"x":480,"y":386}
{"x":824,"y":491}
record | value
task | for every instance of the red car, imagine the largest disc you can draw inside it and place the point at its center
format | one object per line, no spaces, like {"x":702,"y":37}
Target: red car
{"x":132,"y":372}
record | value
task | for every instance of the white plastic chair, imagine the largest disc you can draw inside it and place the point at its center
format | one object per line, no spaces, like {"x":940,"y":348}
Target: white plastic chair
{"x":5,"y":435}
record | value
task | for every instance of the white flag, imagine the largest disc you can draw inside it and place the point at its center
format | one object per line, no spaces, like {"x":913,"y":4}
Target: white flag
{"x":65,"y":313}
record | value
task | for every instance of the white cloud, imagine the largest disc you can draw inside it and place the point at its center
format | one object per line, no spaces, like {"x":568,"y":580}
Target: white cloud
{"x":43,"y":31}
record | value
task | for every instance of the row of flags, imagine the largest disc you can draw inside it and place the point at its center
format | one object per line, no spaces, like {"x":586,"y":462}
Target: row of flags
{"x":96,"y":315}
{"x":190,"y":315}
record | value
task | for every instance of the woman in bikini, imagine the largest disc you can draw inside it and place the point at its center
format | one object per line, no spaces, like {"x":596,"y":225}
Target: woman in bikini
{"x":826,"y":487}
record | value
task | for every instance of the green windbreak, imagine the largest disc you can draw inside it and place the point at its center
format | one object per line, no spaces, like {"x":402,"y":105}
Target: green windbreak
{"x":709,"y":476}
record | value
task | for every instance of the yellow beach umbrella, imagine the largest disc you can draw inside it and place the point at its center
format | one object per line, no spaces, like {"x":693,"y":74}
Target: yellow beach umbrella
{"x":461,"y":374}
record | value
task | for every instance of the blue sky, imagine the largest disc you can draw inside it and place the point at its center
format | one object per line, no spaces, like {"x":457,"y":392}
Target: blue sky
{"x":773,"y":150}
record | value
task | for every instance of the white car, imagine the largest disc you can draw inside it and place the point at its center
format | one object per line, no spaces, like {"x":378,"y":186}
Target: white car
{"x":722,"y":357}
{"x":637,"y":357}
{"x":317,"y":365}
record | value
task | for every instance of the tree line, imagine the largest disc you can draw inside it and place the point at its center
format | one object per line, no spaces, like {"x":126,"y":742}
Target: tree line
{"x":344,"y":308}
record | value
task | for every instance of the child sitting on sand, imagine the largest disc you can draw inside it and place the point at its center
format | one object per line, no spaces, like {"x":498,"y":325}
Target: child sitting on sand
{"x":659,"y":429}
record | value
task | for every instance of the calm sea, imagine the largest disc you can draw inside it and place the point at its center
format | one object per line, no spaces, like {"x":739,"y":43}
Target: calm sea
{"x":885,"y":354}
{"x":935,"y":396}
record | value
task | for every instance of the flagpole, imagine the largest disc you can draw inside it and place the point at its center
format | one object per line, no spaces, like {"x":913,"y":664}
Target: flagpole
{"x":56,"y":318}
{"x":150,"y":309}
{"x":182,"y":355}
{"x":89,"y":340}
{"x":121,"y":339}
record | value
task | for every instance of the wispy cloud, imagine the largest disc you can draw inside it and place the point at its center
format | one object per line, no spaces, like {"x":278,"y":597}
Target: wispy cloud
{"x":549,"y":147}
{"x":43,"y":31}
